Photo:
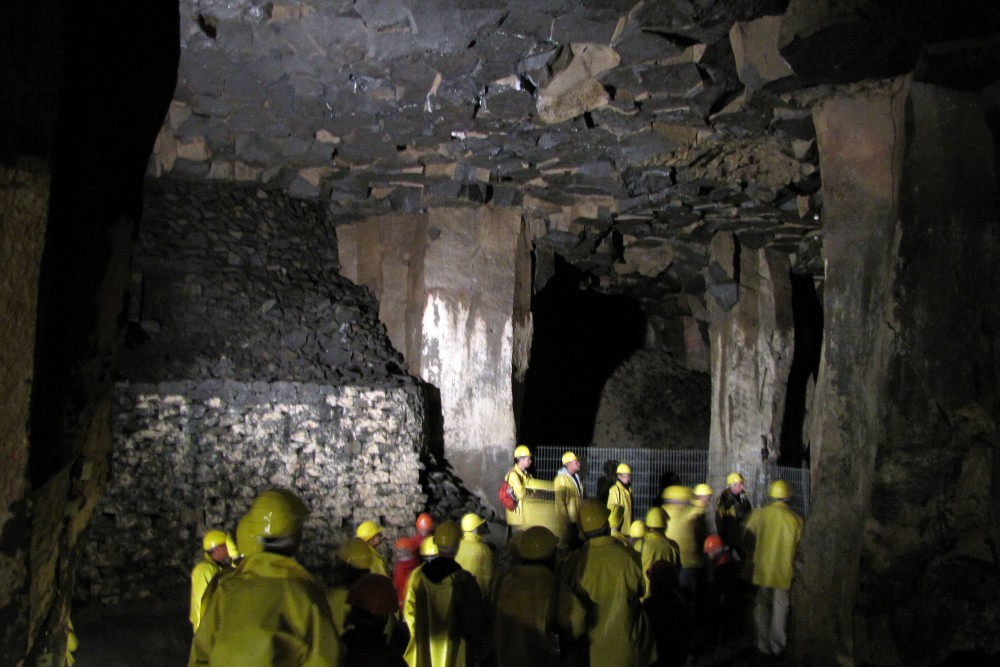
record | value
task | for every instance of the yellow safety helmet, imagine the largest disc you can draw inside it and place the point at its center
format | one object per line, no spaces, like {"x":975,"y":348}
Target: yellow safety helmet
{"x":471,"y":522}
{"x":703,"y":490}
{"x":637,"y":529}
{"x":623,"y":469}
{"x":447,"y":535}
{"x":593,"y":515}
{"x":569,"y":456}
{"x":733,"y":478}
{"x":521,"y":450}
{"x":676,"y":494}
{"x":274,"y":514}
{"x":538,"y":543}
{"x":779,"y":489}
{"x":656,"y":518}
{"x":212,"y":539}
{"x":428,"y":547}
{"x":356,"y":553}
{"x":367,"y":530}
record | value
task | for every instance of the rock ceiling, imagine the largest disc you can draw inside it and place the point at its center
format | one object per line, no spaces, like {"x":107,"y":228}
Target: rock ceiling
{"x":629,"y":131}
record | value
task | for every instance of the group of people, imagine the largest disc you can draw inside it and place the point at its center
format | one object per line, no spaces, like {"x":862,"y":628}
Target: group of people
{"x":609,"y":589}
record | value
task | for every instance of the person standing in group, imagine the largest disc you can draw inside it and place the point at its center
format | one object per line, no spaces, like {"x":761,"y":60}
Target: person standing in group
{"x":682,"y":519}
{"x":731,"y":511}
{"x":657,"y":546}
{"x":270,"y":610}
{"x":474,"y":555}
{"x":216,"y":558}
{"x":621,"y":494}
{"x":407,"y":560}
{"x":517,"y":479}
{"x":568,"y":496}
{"x":772,"y":535}
{"x":371,"y":534}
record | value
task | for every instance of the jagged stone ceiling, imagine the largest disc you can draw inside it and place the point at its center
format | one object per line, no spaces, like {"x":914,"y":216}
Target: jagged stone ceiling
{"x":630,"y":132}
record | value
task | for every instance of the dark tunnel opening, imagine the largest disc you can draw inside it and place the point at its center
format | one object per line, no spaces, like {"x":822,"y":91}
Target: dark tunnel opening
{"x":580,"y":338}
{"x":807,"y":315}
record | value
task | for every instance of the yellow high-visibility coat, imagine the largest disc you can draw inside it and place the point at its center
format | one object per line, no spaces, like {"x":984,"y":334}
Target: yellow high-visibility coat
{"x":518,"y":480}
{"x":201,"y":575}
{"x":445,"y":613}
{"x":682,"y":529}
{"x":269,"y":611}
{"x":772,"y":535}
{"x":619,"y":494}
{"x":656,"y":547}
{"x":476,"y":558}
{"x":568,"y":497}
{"x":532,"y":603}
{"x":607,"y":577}
{"x":378,"y":564}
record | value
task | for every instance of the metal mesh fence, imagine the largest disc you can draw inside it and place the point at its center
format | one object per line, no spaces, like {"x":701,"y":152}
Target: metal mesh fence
{"x":653,"y":469}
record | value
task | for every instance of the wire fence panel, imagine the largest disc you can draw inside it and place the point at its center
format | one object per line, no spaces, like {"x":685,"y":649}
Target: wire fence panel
{"x":654,"y":469}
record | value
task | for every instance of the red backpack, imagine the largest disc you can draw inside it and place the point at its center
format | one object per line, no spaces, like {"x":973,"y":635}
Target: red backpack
{"x":506,"y":495}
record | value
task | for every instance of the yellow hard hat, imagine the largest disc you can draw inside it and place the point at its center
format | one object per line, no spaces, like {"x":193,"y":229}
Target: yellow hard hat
{"x":703,"y":490}
{"x":212,"y":539}
{"x":637,"y":529}
{"x":427,"y":547}
{"x":779,"y":489}
{"x":356,"y":553}
{"x":538,"y":543}
{"x":676,"y":494}
{"x":656,"y":518}
{"x":593,"y":515}
{"x":521,"y":450}
{"x":470,"y":522}
{"x":733,"y":478}
{"x":367,"y":530}
{"x":447,"y":535}
{"x":569,"y":456}
{"x":623,"y":469}
{"x":276,"y":513}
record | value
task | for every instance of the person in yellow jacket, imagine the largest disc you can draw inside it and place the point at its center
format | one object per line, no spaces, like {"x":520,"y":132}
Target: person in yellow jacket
{"x":532,"y":604}
{"x":216,"y":557}
{"x":568,"y":496}
{"x":517,"y":478}
{"x":772,"y":535}
{"x":657,"y":546}
{"x":621,"y":495}
{"x":474,"y":555}
{"x":682,"y":528}
{"x":371,"y":534}
{"x":354,"y":560}
{"x":444,"y":609}
{"x":637,"y":535}
{"x":270,"y":610}
{"x":607,"y":577}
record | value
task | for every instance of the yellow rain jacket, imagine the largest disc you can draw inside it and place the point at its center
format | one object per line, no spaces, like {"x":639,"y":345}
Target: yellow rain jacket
{"x":656,"y":547}
{"x":772,"y":535}
{"x":201,"y":575}
{"x":607,"y":578}
{"x":445,"y":613}
{"x":518,"y":480}
{"x":681,"y":528}
{"x":476,"y":558}
{"x":568,"y":497}
{"x":619,"y":494}
{"x":269,"y":611}
{"x":532,"y":603}
{"x":378,"y":564}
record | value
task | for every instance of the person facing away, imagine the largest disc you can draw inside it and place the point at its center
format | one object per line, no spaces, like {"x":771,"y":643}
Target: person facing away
{"x":517,"y":477}
{"x":216,"y":558}
{"x":568,"y":496}
{"x":270,"y":610}
{"x":657,"y":547}
{"x":533,"y":606}
{"x":474,"y":555}
{"x":620,"y":494}
{"x":607,"y":578}
{"x":772,"y":535}
{"x":407,"y":560}
{"x":444,"y":609}
{"x":372,"y":601}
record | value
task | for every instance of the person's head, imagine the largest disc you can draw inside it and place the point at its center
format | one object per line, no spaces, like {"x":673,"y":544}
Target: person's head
{"x":373,"y":600}
{"x":735,"y":482}
{"x":215,"y":544}
{"x":538,"y":543}
{"x":447,"y":537}
{"x":702,"y":495}
{"x":779,"y":489}
{"x":403,"y":548}
{"x":571,"y":462}
{"x":713,"y":545}
{"x":522,"y":457}
{"x":273,"y":523}
{"x":624,"y":474}
{"x":637,"y":531}
{"x":594,"y":518}
{"x":425,"y":524}
{"x":428,"y":549}
{"x":370,"y":532}
{"x":676,"y":495}
{"x":656,"y":519}
{"x":474,"y":524}
{"x":355,"y":553}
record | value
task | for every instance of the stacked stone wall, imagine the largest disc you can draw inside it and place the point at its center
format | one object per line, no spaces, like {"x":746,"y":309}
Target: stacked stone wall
{"x":190,"y":456}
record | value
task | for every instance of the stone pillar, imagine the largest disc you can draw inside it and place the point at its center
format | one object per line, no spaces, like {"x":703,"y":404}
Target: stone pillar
{"x":752,"y":341}
{"x":452,"y":286}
